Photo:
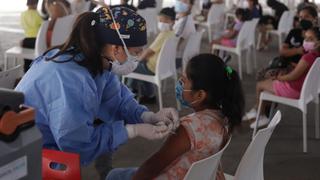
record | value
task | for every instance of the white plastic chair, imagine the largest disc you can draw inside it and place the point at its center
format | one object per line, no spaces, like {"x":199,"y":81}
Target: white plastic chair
{"x":251,"y":164}
{"x":240,"y":46}
{"x":150,"y":15}
{"x":61,"y":32}
{"x":284,"y":26}
{"x":18,"y":52}
{"x":165,"y":68}
{"x":192,"y":48}
{"x":41,"y":45}
{"x":252,"y":42}
{"x":206,"y":169}
{"x":9,"y":77}
{"x":62,"y":29}
{"x":215,"y":20}
{"x":309,"y":93}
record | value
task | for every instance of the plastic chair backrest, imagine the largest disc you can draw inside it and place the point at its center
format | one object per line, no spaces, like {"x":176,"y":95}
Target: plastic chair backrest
{"x":252,"y":31}
{"x":150,"y":15}
{"x":8,"y":78}
{"x":192,"y":48}
{"x":166,"y":63}
{"x":286,"y":22}
{"x":251,"y":164}
{"x":216,"y":14}
{"x":62,"y":29}
{"x":310,"y":85}
{"x":70,"y":160}
{"x":41,"y":45}
{"x":242,"y":38}
{"x":206,"y":169}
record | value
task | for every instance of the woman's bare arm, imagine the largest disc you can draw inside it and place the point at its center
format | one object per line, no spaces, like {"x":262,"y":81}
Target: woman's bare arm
{"x":176,"y":145}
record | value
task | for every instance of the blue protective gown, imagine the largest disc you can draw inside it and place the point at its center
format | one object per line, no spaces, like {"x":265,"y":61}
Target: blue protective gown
{"x":68,"y":98}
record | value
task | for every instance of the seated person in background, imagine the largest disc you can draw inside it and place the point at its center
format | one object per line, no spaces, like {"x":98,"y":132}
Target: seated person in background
{"x":255,"y":8}
{"x":229,"y":37}
{"x":292,"y":49}
{"x":149,"y":56}
{"x":218,"y":110}
{"x":55,"y":9}
{"x":305,"y":3}
{"x":124,"y":3}
{"x":143,"y":4}
{"x":30,"y":22}
{"x":288,"y":85}
{"x":268,"y":22}
{"x":184,"y":25}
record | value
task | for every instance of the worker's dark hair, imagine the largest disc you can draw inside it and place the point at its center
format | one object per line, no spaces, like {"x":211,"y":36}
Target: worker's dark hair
{"x":311,"y":10}
{"x":83,"y":39}
{"x":169,"y":12}
{"x":221,"y":83}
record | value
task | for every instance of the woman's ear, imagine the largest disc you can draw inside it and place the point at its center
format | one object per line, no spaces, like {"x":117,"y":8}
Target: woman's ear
{"x":201,"y":96}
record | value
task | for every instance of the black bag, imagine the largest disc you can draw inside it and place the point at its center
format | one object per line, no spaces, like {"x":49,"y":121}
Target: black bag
{"x":276,"y":65}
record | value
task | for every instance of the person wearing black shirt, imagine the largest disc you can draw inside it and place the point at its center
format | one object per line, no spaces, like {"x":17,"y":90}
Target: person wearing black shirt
{"x":292,"y":49}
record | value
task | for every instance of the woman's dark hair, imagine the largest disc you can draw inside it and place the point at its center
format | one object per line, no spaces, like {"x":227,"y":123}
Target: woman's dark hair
{"x":209,"y":73}
{"x":311,"y":10}
{"x":83,"y":39}
{"x":244,"y":13}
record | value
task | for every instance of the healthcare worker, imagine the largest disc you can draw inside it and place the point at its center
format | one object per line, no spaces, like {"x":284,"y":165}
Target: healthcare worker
{"x":75,"y":84}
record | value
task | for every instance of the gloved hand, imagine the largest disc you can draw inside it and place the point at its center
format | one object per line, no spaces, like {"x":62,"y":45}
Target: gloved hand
{"x":166,"y":115}
{"x":147,"y":131}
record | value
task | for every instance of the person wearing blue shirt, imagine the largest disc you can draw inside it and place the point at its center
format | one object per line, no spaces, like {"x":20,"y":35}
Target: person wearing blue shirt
{"x":75,"y":85}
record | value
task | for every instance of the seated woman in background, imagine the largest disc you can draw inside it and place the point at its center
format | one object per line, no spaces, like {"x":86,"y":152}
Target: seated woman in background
{"x":218,"y":110}
{"x":289,"y":85}
{"x":292,"y":49}
{"x":255,"y":8}
{"x":229,"y":37}
{"x":184,"y":25}
{"x":268,"y":22}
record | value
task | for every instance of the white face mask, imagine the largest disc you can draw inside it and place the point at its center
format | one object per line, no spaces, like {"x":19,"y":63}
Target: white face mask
{"x":164,"y":26}
{"x":130,"y":64}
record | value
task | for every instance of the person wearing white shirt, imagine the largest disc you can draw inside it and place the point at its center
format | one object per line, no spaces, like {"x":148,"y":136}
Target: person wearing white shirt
{"x":184,"y":25}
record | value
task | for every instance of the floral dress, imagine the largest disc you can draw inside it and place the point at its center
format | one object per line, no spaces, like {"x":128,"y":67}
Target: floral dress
{"x":207,"y":131}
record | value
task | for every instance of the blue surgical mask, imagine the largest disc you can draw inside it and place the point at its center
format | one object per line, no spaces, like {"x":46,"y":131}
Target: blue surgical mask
{"x":179,"y":95}
{"x":181,"y":7}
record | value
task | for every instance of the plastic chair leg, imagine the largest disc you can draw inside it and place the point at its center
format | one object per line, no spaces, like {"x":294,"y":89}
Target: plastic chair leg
{"x":304,"y":131}
{"x":254,"y":53}
{"x":280,"y":41}
{"x":160,"y":97}
{"x":5,"y":62}
{"x":271,"y":113}
{"x":259,"y":40}
{"x":248,"y":62}
{"x":240,"y":65}
{"x":317,"y":128}
{"x":257,"y":119}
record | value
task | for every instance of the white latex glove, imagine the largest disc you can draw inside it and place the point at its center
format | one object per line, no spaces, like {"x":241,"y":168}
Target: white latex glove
{"x":166,"y":115}
{"x":147,"y":131}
